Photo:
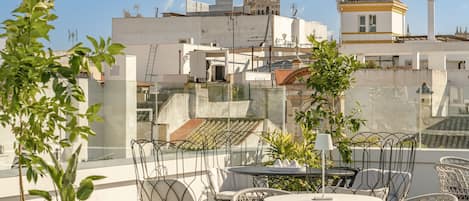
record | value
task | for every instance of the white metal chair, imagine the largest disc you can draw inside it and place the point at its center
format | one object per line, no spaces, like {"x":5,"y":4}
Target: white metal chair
{"x":454,"y":179}
{"x":157,"y":179}
{"x":434,"y":197}
{"x":257,"y":194}
{"x":454,"y":160}
{"x":386,"y":160}
{"x":384,"y":184}
{"x":226,"y":184}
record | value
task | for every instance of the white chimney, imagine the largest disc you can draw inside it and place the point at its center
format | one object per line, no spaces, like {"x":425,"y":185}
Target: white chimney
{"x":431,"y":20}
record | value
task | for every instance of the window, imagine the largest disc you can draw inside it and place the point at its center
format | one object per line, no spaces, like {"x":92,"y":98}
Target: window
{"x":362,"y":27}
{"x":372,"y":23}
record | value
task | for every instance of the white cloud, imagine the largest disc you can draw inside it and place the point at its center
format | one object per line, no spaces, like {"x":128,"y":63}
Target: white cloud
{"x":169,"y":4}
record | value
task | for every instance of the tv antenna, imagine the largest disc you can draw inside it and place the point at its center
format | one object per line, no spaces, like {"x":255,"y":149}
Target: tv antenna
{"x":73,"y":36}
{"x":137,"y":10}
{"x":294,"y":10}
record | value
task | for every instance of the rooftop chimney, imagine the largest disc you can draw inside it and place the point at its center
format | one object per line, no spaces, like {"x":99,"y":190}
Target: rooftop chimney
{"x":431,"y":20}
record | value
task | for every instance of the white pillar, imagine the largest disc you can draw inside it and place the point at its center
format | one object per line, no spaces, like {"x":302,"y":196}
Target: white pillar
{"x":416,"y":61}
{"x":431,"y":20}
{"x":120,"y":107}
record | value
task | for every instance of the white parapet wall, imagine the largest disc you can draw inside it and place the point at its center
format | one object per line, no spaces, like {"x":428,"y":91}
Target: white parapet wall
{"x":119,"y":184}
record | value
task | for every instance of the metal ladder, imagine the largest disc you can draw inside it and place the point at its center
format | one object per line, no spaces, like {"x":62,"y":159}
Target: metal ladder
{"x":151,"y":63}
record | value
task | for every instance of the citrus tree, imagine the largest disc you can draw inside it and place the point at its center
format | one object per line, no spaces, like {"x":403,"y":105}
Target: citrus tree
{"x":330,"y":77}
{"x":39,"y":95}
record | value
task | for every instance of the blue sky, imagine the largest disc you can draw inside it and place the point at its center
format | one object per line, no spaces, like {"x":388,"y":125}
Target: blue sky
{"x":93,"y":17}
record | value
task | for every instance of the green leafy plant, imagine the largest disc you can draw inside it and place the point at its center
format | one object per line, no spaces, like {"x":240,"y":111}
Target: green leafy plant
{"x":64,"y":180}
{"x":283,"y":146}
{"x":39,"y":95}
{"x":330,"y":77}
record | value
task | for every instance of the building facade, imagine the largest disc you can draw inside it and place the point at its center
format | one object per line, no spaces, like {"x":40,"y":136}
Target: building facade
{"x":262,"y":7}
{"x":371,"y":21}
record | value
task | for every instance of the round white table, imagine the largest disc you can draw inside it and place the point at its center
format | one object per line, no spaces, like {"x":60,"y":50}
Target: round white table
{"x":310,"y":196}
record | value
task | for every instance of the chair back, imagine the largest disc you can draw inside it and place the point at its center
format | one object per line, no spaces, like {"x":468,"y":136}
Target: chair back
{"x":454,"y":160}
{"x":167,"y":171}
{"x":454,"y":180}
{"x":385,"y":160}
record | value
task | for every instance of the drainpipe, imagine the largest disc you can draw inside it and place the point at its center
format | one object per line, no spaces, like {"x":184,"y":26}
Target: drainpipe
{"x":180,"y":53}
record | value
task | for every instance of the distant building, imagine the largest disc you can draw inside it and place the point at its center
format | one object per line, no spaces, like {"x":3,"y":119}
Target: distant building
{"x":371,"y":21}
{"x":262,"y":7}
{"x":155,"y":41}
{"x":194,"y":6}
{"x":225,"y":7}
{"x":376,"y":32}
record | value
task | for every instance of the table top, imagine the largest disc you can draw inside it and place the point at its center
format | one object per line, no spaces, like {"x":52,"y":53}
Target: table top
{"x":277,"y":171}
{"x":310,"y":196}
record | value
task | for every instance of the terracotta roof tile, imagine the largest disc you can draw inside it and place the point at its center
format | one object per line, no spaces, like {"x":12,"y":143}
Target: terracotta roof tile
{"x":281,"y":75}
{"x":185,"y":130}
{"x":213,"y":132}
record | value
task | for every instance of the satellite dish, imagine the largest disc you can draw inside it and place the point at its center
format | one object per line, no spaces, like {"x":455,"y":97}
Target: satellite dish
{"x":293,"y":10}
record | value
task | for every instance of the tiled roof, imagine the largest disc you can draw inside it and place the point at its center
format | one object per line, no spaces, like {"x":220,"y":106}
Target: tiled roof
{"x":281,"y":74}
{"x":213,"y":132}
{"x":285,"y":77}
{"x":185,"y":130}
{"x":451,"y":124}
{"x":451,"y":141}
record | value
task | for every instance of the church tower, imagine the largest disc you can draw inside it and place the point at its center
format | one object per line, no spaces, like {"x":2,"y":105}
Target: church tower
{"x":262,"y":7}
{"x":371,"y":21}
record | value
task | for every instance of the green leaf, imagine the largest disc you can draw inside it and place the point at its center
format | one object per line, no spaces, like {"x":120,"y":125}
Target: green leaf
{"x":95,"y":177}
{"x":70,"y":173}
{"x":116,"y":48}
{"x":93,"y":42}
{"x":102,"y":43}
{"x":73,"y":49}
{"x":41,"y":193}
{"x":85,"y":189}
{"x":45,"y":77}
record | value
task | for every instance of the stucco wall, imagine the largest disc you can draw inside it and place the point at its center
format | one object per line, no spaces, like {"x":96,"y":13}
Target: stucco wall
{"x":175,"y":111}
{"x":389,"y":99}
{"x":220,"y":109}
{"x":248,"y":30}
{"x":350,"y":21}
